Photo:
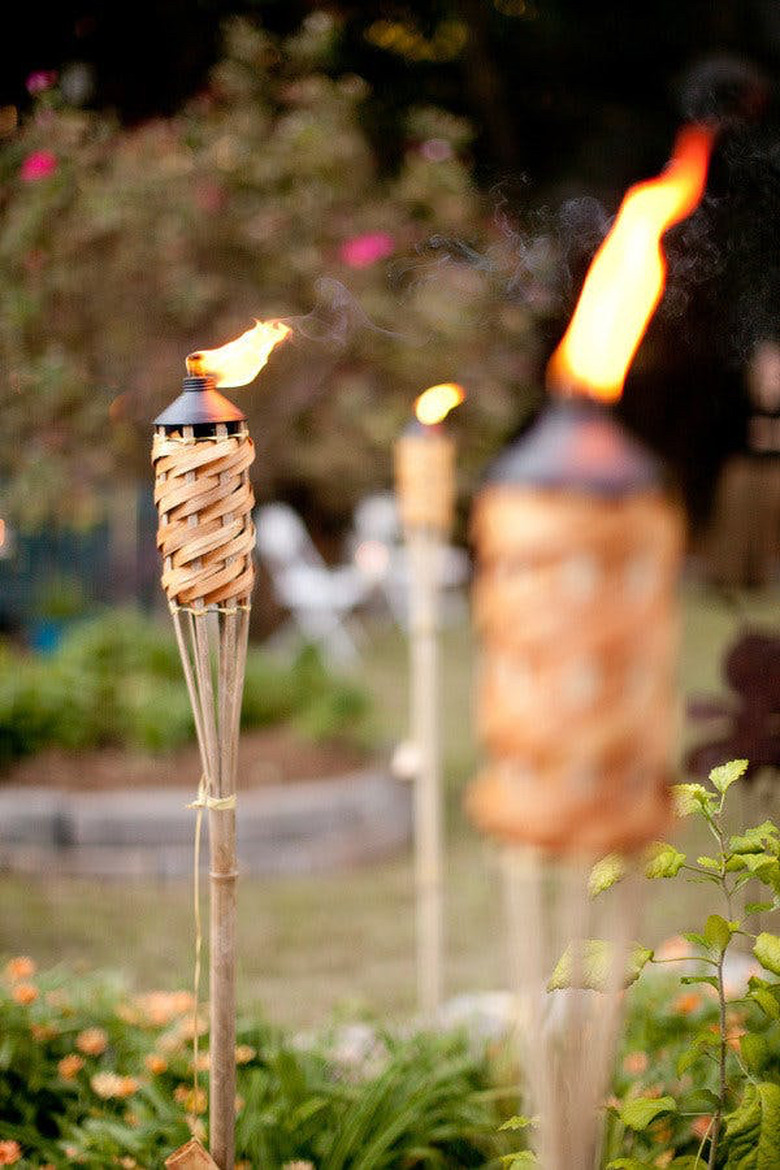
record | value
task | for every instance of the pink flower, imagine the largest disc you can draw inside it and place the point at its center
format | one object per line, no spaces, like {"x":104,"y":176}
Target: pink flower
{"x":363,"y":251}
{"x":40,"y":80}
{"x":436,"y":150}
{"x":38,"y":165}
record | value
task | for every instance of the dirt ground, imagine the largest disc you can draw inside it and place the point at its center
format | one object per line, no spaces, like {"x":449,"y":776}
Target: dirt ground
{"x":275,"y":755}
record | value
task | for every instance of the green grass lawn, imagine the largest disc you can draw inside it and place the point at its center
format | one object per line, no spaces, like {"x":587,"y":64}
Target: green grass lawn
{"x":310,"y":946}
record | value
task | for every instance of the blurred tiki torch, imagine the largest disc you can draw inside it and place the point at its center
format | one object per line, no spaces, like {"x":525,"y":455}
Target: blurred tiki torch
{"x":578,"y":550}
{"x":425,"y":488}
{"x":201,"y":454}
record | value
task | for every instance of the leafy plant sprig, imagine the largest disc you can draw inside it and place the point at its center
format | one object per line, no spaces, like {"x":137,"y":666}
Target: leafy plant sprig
{"x":748,"y":1135}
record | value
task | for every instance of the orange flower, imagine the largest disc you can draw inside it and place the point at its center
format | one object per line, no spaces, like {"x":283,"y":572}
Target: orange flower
{"x":69,"y":1066}
{"x":664,"y":1159}
{"x":733,"y":1038}
{"x":158,"y":1008}
{"x":155,"y":1063}
{"x":22,"y":967}
{"x":92,"y":1041}
{"x":688,"y":1002}
{"x":203,"y":1063}
{"x":43,"y":1032}
{"x":635,"y":1063}
{"x":193,"y":1100}
{"x":245,"y":1053}
{"x":702,"y":1125}
{"x":108,"y":1084}
{"x":661,"y":1132}
{"x":10,"y":1152}
{"x":675,"y":947}
{"x":25,"y":993}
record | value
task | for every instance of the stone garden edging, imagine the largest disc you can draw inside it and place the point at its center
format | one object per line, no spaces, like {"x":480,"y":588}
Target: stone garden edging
{"x":303,"y":827}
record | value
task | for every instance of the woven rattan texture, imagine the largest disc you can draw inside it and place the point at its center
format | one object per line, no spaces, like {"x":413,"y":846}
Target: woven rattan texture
{"x":425,"y":481}
{"x":206,"y":535}
{"x":574,"y":605}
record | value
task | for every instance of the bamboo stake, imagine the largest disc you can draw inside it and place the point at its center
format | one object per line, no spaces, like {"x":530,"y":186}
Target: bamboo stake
{"x":423,"y":547}
{"x":223,"y":876}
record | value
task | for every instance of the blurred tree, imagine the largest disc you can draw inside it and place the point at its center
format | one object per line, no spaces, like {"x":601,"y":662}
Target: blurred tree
{"x":125,"y":249}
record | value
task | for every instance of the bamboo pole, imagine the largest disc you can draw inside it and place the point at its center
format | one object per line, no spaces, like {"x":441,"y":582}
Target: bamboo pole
{"x":423,"y":548}
{"x":223,"y":875}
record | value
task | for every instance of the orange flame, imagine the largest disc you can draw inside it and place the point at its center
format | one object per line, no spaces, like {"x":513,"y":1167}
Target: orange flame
{"x":241,"y":360}
{"x":626,"y":279}
{"x":435,"y":403}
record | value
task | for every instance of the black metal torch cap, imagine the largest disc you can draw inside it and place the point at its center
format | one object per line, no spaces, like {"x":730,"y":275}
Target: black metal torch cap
{"x":578,"y":444}
{"x":200,"y":403}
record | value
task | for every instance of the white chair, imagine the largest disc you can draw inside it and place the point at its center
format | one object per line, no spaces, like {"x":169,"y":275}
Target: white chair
{"x":318,"y":597}
{"x":376,"y":546}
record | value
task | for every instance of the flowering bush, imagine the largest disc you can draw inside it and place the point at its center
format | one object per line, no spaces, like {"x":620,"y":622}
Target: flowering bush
{"x":124,"y":249}
{"x":92,"y":1076}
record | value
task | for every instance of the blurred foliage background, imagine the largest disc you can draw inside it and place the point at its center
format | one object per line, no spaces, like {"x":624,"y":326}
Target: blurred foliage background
{"x":414,"y":186}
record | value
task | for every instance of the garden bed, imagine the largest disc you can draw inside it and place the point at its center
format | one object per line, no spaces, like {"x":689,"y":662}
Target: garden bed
{"x":304,"y":807}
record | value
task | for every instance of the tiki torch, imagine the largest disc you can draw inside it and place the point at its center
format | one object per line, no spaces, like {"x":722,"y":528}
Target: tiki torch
{"x":425,"y":488}
{"x":578,"y":547}
{"x":201,"y":455}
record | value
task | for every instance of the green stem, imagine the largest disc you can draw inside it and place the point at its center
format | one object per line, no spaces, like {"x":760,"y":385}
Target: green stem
{"x":716,"y":1121}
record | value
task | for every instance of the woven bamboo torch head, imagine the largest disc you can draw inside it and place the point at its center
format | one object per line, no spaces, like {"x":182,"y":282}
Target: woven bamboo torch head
{"x":201,"y":453}
{"x":577,"y":557}
{"x":425,"y":463}
{"x":577,"y":554}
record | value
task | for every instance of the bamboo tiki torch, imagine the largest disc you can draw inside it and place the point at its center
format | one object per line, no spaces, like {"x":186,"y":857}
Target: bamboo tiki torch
{"x":425,"y":487}
{"x":578,"y":548}
{"x":201,"y":454}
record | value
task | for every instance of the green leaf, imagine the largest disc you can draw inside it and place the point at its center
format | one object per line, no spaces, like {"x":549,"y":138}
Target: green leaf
{"x":664,"y":861}
{"x":639,"y":1112}
{"x":698,"y":940}
{"x":717,"y":933}
{"x":523,"y":1158}
{"x":711,"y":979}
{"x":755,"y":862}
{"x":687,"y":1059}
{"x":727,"y":774}
{"x":708,"y":862}
{"x":754,"y":839}
{"x":690,"y":798}
{"x":766,"y":1001}
{"x":518,"y":1122}
{"x":767,"y":951}
{"x":755,"y":1051}
{"x":752,"y":1131}
{"x":629,"y":1164}
{"x":595,"y":963}
{"x":745,"y":844}
{"x":758,"y":907}
{"x":605,"y":873}
{"x":700,"y":1101}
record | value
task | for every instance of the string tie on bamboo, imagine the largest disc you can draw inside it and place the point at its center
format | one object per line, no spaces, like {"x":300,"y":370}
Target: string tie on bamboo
{"x":205,"y":798}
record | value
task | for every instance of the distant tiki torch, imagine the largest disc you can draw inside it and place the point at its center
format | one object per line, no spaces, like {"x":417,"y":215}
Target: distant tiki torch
{"x":578,"y":550}
{"x":201,"y":454}
{"x":425,"y":488}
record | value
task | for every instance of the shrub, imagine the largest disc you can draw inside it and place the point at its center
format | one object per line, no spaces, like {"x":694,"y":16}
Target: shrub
{"x":117,"y":679}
